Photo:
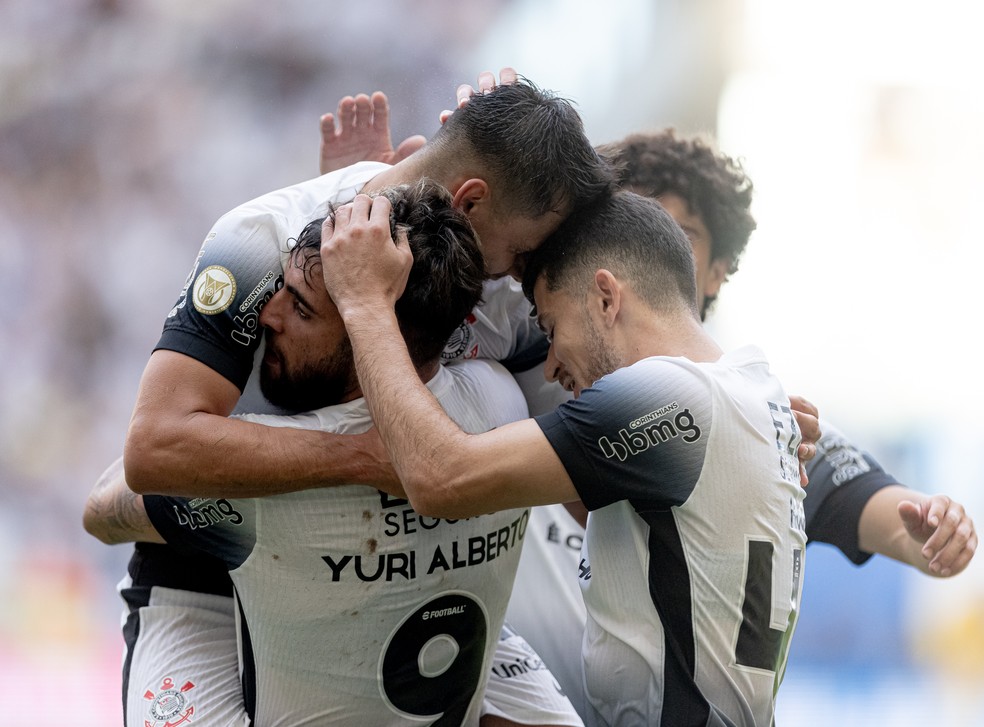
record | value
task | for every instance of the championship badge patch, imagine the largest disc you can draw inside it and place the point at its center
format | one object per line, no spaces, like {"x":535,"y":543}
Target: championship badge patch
{"x":169,"y":707}
{"x":215,"y":289}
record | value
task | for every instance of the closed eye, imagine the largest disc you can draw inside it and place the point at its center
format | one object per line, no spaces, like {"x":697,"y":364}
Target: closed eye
{"x":299,"y":309}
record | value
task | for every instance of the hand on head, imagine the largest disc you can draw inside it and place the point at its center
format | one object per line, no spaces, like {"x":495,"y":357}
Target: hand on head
{"x":363,"y":268}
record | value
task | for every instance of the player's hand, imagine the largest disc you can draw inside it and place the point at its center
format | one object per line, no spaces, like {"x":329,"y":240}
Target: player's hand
{"x":359,"y":132}
{"x":808,"y":420}
{"x":364,"y":270}
{"x":946,"y":530}
{"x":486,"y":82}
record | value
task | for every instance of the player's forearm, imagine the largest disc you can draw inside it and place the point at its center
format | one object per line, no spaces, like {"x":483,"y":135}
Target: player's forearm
{"x":206,"y":455}
{"x":426,"y":447}
{"x":114,"y":513}
{"x":881,"y":530}
{"x":895,"y":543}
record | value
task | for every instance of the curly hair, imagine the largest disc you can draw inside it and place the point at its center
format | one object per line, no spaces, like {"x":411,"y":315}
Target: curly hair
{"x":448,"y":270}
{"x":714,"y":185}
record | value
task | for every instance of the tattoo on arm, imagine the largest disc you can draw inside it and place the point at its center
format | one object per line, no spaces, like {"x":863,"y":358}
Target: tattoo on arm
{"x":115,"y":514}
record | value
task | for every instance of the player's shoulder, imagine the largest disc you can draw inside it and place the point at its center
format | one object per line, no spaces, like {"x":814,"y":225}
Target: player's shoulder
{"x":659,"y":373}
{"x":482,"y":375}
{"x":307,"y":199}
{"x":482,"y":386}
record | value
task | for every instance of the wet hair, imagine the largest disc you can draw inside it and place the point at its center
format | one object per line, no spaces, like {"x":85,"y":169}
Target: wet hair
{"x":714,"y":185}
{"x":628,"y":234}
{"x":530,"y":144}
{"x":448,"y":270}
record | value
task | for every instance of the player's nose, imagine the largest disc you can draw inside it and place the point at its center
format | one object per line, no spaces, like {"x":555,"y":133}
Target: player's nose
{"x":551,"y":367}
{"x":272,"y":314}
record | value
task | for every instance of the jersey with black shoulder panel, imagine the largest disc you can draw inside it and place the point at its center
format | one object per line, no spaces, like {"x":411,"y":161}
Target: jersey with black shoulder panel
{"x":216,"y":321}
{"x":693,"y":554}
{"x":240,"y":267}
{"x":355,"y":609}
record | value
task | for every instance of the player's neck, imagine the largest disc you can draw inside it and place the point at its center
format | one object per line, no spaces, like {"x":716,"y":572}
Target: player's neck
{"x":682,"y":337}
{"x":408,"y":171}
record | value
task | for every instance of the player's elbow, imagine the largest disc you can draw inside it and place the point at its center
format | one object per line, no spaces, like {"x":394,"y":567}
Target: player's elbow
{"x":89,"y":522}
{"x":94,"y":522}
{"x":146,"y":458}
{"x":442,"y":500}
{"x":139,"y":472}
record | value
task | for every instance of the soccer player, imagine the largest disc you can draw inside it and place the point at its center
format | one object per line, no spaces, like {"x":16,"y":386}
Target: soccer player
{"x":852,"y":503}
{"x":686,"y":457}
{"x":515,"y":179}
{"x":355,"y":609}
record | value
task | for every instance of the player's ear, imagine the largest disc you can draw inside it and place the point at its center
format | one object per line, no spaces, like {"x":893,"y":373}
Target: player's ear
{"x":717,"y":273}
{"x":471,"y":194}
{"x":607,"y":296}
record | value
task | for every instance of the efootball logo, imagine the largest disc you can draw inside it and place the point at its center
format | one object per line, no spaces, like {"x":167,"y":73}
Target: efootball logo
{"x":215,"y":289}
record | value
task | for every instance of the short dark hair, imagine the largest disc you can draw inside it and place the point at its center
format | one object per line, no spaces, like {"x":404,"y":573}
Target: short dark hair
{"x":531,"y":144}
{"x":448,"y":270}
{"x":628,"y":234}
{"x":714,"y":185}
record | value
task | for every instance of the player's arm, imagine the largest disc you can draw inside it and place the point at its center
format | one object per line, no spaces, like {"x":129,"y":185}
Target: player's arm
{"x":181,"y":441}
{"x":444,"y":471}
{"x":854,"y":505}
{"x":931,"y":533}
{"x":114,"y":513}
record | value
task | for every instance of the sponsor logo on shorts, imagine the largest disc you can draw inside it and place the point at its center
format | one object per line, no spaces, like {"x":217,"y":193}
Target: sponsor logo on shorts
{"x":215,"y":289}
{"x":169,"y":706}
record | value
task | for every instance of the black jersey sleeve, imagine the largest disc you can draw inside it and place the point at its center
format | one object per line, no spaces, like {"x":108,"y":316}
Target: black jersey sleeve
{"x":842,"y":480}
{"x":223,"y":528}
{"x":216,"y":317}
{"x":638,"y":434}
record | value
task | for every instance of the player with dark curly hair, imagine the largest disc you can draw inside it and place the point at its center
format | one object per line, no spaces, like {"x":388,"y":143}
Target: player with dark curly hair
{"x":710,"y":191}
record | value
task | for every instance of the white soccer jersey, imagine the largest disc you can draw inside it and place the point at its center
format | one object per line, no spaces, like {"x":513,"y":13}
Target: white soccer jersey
{"x":355,"y":609}
{"x":546,"y":606}
{"x":499,"y":329}
{"x":239,"y":268}
{"x":693,"y":556}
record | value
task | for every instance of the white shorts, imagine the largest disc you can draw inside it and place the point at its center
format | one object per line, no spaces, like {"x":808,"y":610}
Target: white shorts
{"x":181,"y":665}
{"x":522,"y":689}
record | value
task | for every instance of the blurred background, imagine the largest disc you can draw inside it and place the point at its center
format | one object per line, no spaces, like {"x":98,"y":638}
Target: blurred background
{"x":127,"y":128}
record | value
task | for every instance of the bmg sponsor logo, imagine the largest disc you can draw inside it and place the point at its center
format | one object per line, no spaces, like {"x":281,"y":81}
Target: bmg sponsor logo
{"x":627,"y":443}
{"x":203,"y":513}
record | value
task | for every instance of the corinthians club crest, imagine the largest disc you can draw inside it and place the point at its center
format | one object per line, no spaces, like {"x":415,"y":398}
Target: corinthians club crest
{"x":215,"y":289}
{"x":167,"y":706}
